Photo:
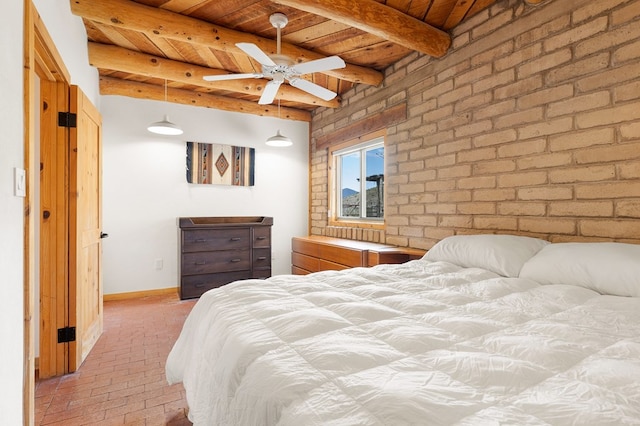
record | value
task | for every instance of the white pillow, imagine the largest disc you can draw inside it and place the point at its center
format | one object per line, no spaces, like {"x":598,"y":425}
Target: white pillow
{"x":608,"y":268}
{"x":502,"y":254}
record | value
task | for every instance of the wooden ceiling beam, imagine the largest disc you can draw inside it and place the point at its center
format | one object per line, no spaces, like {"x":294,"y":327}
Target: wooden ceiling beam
{"x":380,"y":20}
{"x":134,"y":89}
{"x":156,"y":22}
{"x":106,"y":56}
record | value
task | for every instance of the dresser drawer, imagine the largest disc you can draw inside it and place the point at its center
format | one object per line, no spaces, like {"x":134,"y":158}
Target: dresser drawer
{"x":346,"y":255}
{"x":207,"y":262}
{"x":194,"y":285}
{"x":215,"y":239}
{"x":262,"y":237}
{"x":261,"y":258}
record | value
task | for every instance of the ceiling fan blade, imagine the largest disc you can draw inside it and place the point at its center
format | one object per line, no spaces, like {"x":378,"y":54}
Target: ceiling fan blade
{"x":324,"y":64}
{"x":256,"y":53}
{"x":223,"y":77}
{"x":269,"y":94}
{"x":312,"y":88}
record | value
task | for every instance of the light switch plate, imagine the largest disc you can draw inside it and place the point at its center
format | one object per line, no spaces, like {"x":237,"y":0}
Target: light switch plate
{"x":20,"y":182}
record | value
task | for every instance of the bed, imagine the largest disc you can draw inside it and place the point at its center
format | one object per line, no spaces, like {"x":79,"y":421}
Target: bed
{"x":484,"y":329}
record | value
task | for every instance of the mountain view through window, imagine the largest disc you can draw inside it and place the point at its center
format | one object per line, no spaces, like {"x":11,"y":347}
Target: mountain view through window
{"x":362,"y":182}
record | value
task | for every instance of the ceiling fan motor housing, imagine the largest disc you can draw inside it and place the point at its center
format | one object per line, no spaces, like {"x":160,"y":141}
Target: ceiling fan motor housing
{"x":282,"y":68}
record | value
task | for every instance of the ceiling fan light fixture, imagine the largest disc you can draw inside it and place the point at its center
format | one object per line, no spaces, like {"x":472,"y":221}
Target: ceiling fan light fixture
{"x":279,"y":140}
{"x":165,"y":127}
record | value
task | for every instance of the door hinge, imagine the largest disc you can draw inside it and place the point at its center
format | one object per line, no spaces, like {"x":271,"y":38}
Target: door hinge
{"x":67,"y":334}
{"x":67,"y":119}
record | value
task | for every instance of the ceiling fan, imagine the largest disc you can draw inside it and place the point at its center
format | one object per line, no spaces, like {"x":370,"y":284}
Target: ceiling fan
{"x":279,"y":68}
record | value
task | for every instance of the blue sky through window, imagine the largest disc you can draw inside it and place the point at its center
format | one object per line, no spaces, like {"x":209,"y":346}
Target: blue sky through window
{"x":351,"y":168}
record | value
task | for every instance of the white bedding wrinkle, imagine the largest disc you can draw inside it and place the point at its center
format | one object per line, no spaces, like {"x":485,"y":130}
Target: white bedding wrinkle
{"x":421,"y":343}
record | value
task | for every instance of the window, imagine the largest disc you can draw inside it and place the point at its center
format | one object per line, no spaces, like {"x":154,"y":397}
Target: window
{"x":358,"y":181}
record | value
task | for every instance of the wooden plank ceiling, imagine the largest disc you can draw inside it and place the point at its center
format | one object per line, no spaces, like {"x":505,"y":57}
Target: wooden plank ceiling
{"x":137,"y":46}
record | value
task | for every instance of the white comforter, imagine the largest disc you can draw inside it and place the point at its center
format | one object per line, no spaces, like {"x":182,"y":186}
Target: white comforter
{"x":423,"y":343}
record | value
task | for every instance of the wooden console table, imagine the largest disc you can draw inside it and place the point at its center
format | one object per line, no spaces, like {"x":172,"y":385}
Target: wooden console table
{"x":317,"y":253}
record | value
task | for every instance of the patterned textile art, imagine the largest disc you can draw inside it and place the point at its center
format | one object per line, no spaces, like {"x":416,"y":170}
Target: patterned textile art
{"x":218,"y":164}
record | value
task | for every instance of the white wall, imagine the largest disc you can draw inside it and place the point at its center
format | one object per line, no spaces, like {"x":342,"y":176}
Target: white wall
{"x":11,"y":214}
{"x":145,"y":188}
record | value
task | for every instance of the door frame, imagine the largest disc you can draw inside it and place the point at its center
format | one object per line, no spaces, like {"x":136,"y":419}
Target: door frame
{"x":41,"y":60}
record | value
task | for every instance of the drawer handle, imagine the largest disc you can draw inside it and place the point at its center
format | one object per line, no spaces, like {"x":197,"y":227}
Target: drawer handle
{"x":201,"y":262}
{"x":201,"y":240}
{"x":235,"y":260}
{"x":262,"y":257}
{"x":261,"y":238}
{"x":235,"y":239}
{"x":199,"y":285}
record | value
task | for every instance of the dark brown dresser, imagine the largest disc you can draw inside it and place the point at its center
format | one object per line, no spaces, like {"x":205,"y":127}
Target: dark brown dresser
{"x":215,"y":251}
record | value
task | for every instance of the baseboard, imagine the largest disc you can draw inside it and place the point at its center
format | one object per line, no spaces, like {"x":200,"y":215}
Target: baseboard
{"x":140,"y":294}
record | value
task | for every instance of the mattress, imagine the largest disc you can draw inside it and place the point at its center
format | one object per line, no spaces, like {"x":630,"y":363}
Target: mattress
{"x":454,"y":338}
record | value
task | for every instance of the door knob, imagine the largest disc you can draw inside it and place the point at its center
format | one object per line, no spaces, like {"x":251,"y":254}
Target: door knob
{"x":103,"y":235}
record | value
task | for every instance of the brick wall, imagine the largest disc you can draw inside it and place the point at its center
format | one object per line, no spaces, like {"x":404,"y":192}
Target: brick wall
{"x":530,"y":125}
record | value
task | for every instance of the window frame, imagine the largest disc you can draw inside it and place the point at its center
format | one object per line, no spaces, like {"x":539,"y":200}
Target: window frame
{"x":333,"y":177}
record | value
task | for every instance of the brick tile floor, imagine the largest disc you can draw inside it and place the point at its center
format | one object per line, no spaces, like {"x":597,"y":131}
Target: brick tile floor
{"x":122,"y":381}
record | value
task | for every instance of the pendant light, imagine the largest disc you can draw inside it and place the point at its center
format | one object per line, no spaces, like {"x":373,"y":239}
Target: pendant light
{"x":165,"y":127}
{"x":279,"y":139}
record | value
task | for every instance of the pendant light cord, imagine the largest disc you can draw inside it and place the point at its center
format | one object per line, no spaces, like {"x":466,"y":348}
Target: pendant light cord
{"x":165,"y":90}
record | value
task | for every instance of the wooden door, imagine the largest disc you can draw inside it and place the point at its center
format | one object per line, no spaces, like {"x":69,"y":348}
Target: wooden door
{"x":85,"y":227}
{"x":54,"y":229}
{"x":70,"y":228}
